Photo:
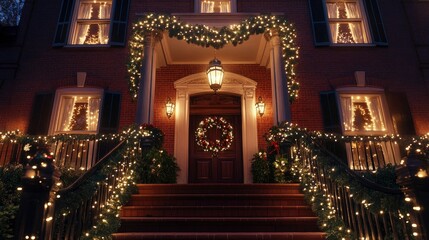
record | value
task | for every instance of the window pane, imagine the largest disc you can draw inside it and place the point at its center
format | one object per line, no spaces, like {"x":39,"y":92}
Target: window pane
{"x":215,"y":6}
{"x":362,"y":113}
{"x":91,"y":34}
{"x":351,"y":32}
{"x":94,"y":10}
{"x":78,"y":113}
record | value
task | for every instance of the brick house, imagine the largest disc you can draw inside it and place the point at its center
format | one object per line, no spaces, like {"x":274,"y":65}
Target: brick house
{"x":362,"y":70}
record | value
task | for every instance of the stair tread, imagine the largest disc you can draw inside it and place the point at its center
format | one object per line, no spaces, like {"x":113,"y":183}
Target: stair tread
{"x":218,"y":218}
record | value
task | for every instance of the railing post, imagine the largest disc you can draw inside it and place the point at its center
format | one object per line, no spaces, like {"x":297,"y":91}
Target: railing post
{"x":413,"y":177}
{"x":37,"y":183}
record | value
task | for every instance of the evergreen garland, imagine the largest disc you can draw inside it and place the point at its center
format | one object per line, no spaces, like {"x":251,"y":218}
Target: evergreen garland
{"x":205,"y":36}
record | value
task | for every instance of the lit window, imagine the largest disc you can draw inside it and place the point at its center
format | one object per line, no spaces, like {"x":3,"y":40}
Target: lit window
{"x":346,"y":22}
{"x":215,"y":6}
{"x":92,"y":22}
{"x":362,"y":114}
{"x":76,"y":112}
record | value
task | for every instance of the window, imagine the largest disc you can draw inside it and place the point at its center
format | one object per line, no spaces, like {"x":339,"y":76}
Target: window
{"x":362,"y":113}
{"x":346,"y":21}
{"x":92,"y":22}
{"x":215,"y":6}
{"x":77,"y":112}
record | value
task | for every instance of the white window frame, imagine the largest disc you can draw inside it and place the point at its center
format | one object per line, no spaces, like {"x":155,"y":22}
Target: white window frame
{"x":71,"y":92}
{"x":75,"y":22}
{"x":363,"y":20}
{"x":389,"y":152}
{"x":197,"y":6}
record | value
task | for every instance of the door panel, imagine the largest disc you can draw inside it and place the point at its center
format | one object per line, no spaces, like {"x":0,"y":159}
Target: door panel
{"x":226,"y":166}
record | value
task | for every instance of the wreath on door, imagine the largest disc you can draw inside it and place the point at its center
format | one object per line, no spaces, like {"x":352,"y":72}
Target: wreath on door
{"x":217,"y":145}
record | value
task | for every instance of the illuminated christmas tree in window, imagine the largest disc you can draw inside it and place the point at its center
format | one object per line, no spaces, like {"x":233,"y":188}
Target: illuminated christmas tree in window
{"x":344,"y":31}
{"x":362,"y":117}
{"x":78,"y":120}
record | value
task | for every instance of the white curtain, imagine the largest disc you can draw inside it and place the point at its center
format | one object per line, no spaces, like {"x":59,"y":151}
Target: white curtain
{"x":85,"y":10}
{"x":347,"y":113}
{"x":103,"y":33}
{"x":356,"y":30}
{"x":207,"y":6}
{"x":225,"y":7}
{"x":81,"y":33}
{"x":377,"y":113}
{"x":332,"y":10}
{"x":352,"y":10}
{"x":104,"y":12}
{"x":93,"y":110}
{"x":66,"y":112}
{"x":334,"y":31}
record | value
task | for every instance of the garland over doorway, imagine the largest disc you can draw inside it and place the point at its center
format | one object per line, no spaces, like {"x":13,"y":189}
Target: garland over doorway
{"x":206,"y":36}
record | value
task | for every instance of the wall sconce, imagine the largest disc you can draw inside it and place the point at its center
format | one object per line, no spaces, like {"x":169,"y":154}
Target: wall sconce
{"x":169,"y":107}
{"x":260,"y":107}
{"x":215,"y":74}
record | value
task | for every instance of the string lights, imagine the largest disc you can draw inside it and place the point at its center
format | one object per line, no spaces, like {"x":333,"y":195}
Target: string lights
{"x":205,"y":36}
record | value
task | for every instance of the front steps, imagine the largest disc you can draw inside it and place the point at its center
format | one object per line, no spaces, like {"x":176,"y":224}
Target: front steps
{"x":218,"y":211}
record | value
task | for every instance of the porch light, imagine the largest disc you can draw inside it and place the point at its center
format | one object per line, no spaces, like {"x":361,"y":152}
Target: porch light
{"x":215,"y":74}
{"x":169,"y":107}
{"x":260,"y":107}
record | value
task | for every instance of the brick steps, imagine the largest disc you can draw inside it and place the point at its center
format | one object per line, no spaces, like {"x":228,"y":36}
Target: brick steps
{"x":224,"y":211}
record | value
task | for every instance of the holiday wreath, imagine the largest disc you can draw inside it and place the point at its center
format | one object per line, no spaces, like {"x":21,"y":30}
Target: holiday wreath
{"x":216,"y":145}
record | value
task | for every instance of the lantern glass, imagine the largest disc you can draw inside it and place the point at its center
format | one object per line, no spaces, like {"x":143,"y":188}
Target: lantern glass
{"x":215,"y":74}
{"x":169,"y":108}
{"x":260,"y":107}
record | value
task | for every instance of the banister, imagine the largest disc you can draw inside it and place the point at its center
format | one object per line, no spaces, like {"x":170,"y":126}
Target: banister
{"x":90,"y":172}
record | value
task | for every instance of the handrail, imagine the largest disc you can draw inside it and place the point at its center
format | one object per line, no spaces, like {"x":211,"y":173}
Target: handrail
{"x":90,"y":172}
{"x":364,"y":181}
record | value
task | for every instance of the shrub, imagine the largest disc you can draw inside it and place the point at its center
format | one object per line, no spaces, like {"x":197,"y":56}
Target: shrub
{"x":157,"y":166}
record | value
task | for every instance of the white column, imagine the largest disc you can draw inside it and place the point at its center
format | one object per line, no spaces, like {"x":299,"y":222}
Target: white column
{"x":280,"y":93}
{"x":146,"y":93}
{"x":181,"y":133}
{"x":250,"y":131}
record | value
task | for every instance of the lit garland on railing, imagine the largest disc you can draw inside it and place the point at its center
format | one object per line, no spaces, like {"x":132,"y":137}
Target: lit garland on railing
{"x":376,"y":202}
{"x":205,"y":36}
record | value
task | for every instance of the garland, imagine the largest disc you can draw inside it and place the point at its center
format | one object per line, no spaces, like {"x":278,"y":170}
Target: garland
{"x":217,"y":145}
{"x":376,"y":202}
{"x":205,"y":36}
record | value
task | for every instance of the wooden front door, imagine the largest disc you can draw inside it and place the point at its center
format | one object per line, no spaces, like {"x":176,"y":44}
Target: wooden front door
{"x":227,"y":166}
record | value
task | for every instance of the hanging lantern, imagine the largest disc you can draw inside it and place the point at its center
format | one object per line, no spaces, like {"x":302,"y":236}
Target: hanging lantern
{"x":215,"y":74}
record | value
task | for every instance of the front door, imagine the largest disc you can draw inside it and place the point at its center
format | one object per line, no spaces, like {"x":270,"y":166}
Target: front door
{"x":225,"y":166}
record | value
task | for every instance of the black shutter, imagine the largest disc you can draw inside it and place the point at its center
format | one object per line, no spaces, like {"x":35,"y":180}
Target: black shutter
{"x":63,"y":24}
{"x":320,"y":25}
{"x":330,"y":113}
{"x":109,"y":119}
{"x":400,"y":113}
{"x":41,"y":114}
{"x":118,"y":28}
{"x":375,"y":22}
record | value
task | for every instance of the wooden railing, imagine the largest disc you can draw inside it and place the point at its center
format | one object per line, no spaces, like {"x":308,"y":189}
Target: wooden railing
{"x":69,"y":152}
{"x":365,"y":209}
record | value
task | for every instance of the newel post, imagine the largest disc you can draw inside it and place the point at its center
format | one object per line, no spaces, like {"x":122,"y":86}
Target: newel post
{"x":413,"y":178}
{"x":34,"y":220}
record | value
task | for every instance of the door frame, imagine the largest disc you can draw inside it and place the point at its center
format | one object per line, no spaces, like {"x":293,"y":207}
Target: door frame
{"x":197,"y":84}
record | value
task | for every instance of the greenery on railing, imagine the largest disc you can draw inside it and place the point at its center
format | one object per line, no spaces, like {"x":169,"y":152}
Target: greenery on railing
{"x":376,"y":201}
{"x":10,"y":182}
{"x":157,"y":166}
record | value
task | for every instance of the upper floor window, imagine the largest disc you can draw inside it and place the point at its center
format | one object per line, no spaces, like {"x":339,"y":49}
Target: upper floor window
{"x":346,"y":22}
{"x":215,"y":6}
{"x":92,"y":22}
